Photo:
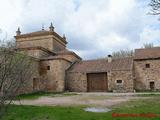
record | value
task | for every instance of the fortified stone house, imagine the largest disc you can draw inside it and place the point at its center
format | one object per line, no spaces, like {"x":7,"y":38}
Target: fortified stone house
{"x":63,"y":70}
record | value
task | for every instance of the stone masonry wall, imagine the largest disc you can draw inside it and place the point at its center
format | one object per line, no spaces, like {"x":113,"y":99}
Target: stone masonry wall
{"x":36,"y":53}
{"x":55,"y":77}
{"x":45,"y":42}
{"x":49,"y":42}
{"x":76,"y":82}
{"x":35,"y":83}
{"x":127,"y":81}
{"x":143,"y":75}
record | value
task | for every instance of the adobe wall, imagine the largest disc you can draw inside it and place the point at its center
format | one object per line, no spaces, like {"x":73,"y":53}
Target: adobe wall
{"x":143,"y":75}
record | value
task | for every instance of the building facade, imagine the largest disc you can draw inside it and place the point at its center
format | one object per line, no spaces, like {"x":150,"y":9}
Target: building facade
{"x":62,"y":70}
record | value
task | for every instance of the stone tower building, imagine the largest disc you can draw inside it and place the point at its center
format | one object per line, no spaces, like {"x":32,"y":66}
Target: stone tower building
{"x":60,"y":69}
{"x":53,"y":57}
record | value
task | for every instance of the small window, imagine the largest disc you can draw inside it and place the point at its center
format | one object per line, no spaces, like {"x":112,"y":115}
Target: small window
{"x":48,"y":67}
{"x":147,"y":65}
{"x":119,"y":81}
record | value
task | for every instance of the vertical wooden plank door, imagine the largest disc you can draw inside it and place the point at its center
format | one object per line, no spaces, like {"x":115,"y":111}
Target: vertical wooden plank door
{"x":97,"y":82}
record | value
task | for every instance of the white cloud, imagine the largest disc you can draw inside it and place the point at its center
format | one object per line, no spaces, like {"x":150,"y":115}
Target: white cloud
{"x":94,"y":27}
{"x":150,"y":35}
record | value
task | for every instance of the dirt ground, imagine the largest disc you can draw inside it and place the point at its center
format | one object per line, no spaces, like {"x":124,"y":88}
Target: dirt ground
{"x":93,"y":99}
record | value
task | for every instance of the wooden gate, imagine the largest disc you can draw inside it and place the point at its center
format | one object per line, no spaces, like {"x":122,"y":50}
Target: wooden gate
{"x":97,"y":82}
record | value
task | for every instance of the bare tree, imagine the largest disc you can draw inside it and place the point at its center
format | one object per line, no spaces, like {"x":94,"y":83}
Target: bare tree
{"x":123,"y":53}
{"x":15,"y":70}
{"x":148,"y":45}
{"x":155,"y":7}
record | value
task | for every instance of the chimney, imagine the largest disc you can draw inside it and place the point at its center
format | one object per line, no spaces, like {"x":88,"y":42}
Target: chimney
{"x":109,"y":58}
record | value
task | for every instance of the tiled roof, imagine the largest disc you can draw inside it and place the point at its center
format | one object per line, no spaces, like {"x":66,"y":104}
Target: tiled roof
{"x":67,"y":52}
{"x":60,"y":55}
{"x":37,"y":48}
{"x":147,"y":53}
{"x":56,"y":57}
{"x":103,"y":65}
{"x":41,"y":33}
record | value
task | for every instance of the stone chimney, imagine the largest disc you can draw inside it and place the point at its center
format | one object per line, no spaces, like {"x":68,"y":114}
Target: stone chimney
{"x":109,"y":58}
{"x":51,"y":28}
{"x":18,"y":32}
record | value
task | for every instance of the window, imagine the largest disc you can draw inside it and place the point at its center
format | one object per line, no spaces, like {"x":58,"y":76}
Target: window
{"x":119,"y":81}
{"x":147,"y":65}
{"x":48,"y":67}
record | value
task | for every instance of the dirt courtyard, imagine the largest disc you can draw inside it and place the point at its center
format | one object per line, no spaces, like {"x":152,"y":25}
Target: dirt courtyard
{"x":92,"y":99}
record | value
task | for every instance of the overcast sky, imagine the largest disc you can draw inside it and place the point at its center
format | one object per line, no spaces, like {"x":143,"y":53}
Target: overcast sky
{"x":94,"y":28}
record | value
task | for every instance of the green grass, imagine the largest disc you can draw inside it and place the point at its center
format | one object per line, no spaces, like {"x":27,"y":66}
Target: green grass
{"x":149,"y":95}
{"x":140,"y":106}
{"x":40,"y":94}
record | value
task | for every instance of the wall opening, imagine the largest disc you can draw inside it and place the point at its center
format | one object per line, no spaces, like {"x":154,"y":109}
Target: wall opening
{"x":147,"y":65}
{"x":35,"y":83}
{"x":152,"y":85}
{"x":119,"y":81}
{"x":48,"y":67}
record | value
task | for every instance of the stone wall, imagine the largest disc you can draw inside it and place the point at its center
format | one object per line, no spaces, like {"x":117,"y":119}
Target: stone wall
{"x":57,"y":46}
{"x":37,"y":53}
{"x":76,"y":82}
{"x":143,"y":75}
{"x":35,"y":83}
{"x":127,"y":84}
{"x":55,"y":77}
{"x":45,"y":42}
{"x":49,"y":42}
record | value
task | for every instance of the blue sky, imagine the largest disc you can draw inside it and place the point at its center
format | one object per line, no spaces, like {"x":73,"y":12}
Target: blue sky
{"x":94,"y":28}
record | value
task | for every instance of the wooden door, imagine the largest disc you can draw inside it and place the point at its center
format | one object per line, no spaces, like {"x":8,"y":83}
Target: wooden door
{"x":97,"y":82}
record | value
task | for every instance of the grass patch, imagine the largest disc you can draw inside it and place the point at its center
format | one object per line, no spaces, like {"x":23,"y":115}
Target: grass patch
{"x":149,"y":95}
{"x":36,"y":95}
{"x":77,"y":113}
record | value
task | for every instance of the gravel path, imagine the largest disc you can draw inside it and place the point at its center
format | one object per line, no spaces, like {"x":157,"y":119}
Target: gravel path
{"x":96,"y":99}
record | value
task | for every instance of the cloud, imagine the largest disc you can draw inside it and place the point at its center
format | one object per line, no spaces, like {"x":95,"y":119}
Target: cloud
{"x":94,"y":28}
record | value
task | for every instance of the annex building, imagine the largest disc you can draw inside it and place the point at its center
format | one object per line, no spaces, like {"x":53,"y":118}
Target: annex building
{"x":62,"y":70}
